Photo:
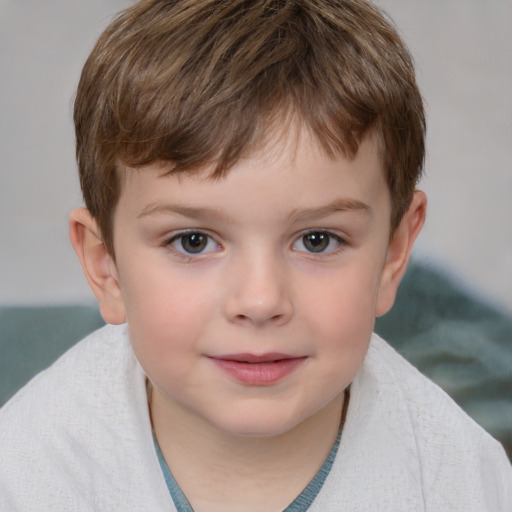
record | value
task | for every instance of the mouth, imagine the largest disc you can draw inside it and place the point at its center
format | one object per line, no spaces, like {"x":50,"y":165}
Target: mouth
{"x":258,"y":370}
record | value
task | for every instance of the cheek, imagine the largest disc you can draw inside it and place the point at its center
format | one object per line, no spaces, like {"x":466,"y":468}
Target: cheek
{"x":166,"y":315}
{"x":345,"y":303}
{"x":345,"y":335}
{"x":342,"y":321}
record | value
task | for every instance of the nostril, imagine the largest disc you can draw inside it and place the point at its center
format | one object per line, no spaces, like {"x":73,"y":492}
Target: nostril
{"x":259,"y":296}
{"x":263,"y":316}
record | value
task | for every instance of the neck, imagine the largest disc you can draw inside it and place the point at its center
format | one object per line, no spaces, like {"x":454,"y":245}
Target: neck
{"x":220,"y":471}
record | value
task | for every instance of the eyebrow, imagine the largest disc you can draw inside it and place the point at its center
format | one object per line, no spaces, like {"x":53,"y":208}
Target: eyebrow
{"x":201,"y":213}
{"x":192,"y":212}
{"x":338,"y":205}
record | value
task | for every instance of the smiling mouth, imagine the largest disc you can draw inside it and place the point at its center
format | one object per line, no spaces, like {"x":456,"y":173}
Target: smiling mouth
{"x":258,"y":370}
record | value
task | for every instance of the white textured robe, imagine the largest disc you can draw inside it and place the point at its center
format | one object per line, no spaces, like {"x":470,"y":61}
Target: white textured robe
{"x":78,"y":438}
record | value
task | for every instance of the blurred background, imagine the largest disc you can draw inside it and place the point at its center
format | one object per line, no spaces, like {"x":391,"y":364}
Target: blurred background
{"x":463,"y":53}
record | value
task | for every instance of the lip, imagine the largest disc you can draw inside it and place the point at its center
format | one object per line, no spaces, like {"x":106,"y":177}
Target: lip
{"x":258,"y":370}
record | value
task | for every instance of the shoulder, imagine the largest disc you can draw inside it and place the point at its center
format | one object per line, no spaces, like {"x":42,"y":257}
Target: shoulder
{"x":407,"y":446}
{"x":457,"y":459}
{"x":434,"y":416}
{"x":98,"y":356}
{"x":72,"y":431}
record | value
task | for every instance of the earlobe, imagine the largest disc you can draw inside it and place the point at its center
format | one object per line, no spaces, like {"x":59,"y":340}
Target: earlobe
{"x":98,"y":265}
{"x":399,"y":251}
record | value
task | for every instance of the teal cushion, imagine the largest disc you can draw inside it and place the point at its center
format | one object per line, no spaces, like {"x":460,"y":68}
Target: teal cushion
{"x":32,"y":338}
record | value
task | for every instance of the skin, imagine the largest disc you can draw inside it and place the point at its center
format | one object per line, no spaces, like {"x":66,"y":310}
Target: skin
{"x":257,"y":284}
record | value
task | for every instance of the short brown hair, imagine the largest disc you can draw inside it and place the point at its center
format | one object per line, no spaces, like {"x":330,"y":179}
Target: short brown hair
{"x":193,"y":82}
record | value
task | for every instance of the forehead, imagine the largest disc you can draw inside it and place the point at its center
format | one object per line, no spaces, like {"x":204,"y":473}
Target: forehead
{"x":289,"y":172}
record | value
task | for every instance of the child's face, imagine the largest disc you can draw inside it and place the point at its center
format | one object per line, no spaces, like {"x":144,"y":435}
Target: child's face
{"x":251,"y":299}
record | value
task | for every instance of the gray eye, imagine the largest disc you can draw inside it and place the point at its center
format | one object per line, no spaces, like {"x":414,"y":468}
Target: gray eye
{"x":316,"y":242}
{"x":194,"y":243}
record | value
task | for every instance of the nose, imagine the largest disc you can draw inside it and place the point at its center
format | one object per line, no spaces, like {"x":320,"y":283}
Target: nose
{"x":259,"y":292}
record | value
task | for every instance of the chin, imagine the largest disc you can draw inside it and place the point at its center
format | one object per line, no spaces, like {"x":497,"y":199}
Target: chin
{"x":257,"y":424}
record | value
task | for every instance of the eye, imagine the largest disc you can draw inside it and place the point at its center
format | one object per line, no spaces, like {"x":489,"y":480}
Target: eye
{"x":318,"y":242}
{"x":193,"y":242}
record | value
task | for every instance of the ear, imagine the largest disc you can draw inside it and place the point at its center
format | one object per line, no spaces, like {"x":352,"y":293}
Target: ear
{"x":399,"y":251}
{"x":98,"y":265}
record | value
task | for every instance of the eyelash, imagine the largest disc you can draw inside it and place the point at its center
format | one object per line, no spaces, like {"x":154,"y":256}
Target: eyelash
{"x":318,"y":237}
{"x":183,"y":236}
{"x":331,"y":237}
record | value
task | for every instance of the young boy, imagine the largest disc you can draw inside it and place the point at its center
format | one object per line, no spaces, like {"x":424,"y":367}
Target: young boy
{"x":249,"y":173}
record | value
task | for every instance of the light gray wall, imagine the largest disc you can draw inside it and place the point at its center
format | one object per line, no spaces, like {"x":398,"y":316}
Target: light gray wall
{"x":463,"y":51}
